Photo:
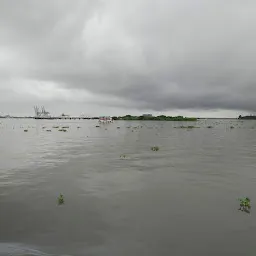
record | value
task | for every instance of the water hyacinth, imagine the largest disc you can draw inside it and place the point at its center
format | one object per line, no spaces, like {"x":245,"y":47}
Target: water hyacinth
{"x":245,"y":204}
{"x":62,"y":130}
{"x":61,"y":199}
{"x":155,"y":148}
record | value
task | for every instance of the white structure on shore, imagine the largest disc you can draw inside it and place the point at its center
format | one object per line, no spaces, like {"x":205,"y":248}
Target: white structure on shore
{"x":105,"y":119}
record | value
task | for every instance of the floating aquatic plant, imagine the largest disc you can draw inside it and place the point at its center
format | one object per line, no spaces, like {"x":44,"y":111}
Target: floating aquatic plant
{"x":65,"y":127}
{"x":187,"y":127}
{"x":118,"y":127}
{"x":62,"y":130}
{"x":97,"y":126}
{"x":61,"y":199}
{"x":245,"y":204}
{"x":56,"y":127}
{"x":209,"y":127}
{"x":123,"y":156}
{"x":48,"y":130}
{"x":232,"y":127}
{"x":155,"y":148}
{"x":26,"y":130}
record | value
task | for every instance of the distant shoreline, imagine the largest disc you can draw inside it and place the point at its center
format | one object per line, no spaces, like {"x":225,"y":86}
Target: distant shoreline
{"x":247,"y":117}
{"x":134,"y":118}
{"x":154,"y":118}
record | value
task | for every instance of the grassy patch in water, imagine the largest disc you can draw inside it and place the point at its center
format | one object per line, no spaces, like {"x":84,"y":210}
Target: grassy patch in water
{"x":60,"y":199}
{"x":155,"y":148}
{"x":62,"y":130}
{"x":187,"y":127}
{"x":245,"y":204}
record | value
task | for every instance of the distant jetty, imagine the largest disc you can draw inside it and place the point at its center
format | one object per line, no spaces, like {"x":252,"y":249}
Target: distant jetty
{"x":251,"y":117}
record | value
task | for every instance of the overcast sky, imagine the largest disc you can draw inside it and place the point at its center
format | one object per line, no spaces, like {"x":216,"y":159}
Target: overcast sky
{"x":96,"y":57}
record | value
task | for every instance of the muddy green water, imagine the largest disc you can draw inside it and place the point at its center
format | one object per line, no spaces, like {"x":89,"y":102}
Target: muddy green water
{"x":180,"y":200}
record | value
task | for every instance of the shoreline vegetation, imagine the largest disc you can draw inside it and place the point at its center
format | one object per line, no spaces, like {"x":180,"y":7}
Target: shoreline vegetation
{"x":154,"y":118}
{"x":252,"y":117}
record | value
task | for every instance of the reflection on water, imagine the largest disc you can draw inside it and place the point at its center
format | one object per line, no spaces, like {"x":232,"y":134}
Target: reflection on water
{"x":180,"y":200}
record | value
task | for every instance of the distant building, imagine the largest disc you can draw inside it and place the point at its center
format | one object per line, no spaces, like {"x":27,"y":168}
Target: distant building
{"x":147,"y":115}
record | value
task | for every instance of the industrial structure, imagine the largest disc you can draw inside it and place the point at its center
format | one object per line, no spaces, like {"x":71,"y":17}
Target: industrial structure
{"x":41,"y":113}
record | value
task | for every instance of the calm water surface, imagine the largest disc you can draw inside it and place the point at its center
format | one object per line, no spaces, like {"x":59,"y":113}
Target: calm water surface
{"x":181,"y":200}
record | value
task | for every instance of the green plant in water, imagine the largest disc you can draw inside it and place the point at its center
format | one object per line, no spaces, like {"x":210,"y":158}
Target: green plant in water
{"x":123,"y":156}
{"x":26,"y":130}
{"x":155,"y":148}
{"x":62,"y":130}
{"x":245,"y":204}
{"x":61,"y":199}
{"x":209,"y":127}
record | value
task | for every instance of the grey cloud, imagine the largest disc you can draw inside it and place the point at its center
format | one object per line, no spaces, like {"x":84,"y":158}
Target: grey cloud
{"x":156,"y":55}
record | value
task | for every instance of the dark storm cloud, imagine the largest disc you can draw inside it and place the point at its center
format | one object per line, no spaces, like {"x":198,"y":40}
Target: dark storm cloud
{"x":157,"y":55}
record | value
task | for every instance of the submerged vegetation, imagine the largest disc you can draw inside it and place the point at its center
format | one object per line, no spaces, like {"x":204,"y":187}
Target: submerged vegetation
{"x":61,"y":199}
{"x":154,"y":118}
{"x":245,"y":204}
{"x":155,"y":148}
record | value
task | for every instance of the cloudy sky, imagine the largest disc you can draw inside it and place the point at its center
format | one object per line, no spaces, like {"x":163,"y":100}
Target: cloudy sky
{"x":96,"y":57}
